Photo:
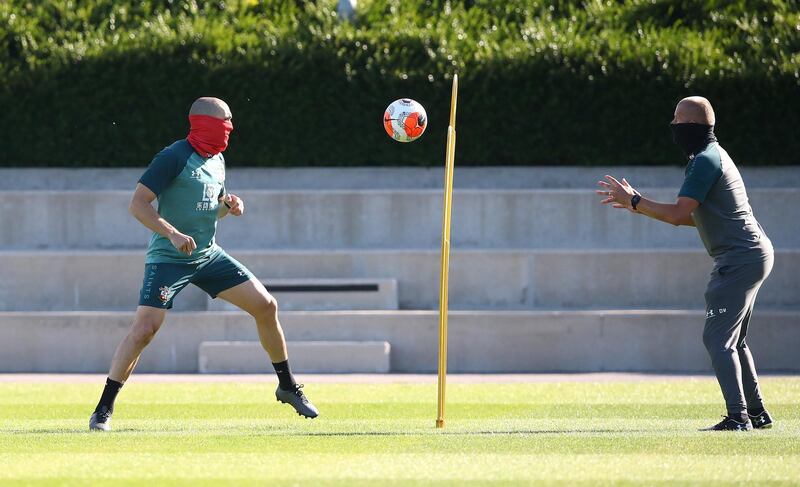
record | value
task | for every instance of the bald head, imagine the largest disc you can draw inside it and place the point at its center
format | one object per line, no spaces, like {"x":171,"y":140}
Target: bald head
{"x":694,"y":109}
{"x":213,"y":107}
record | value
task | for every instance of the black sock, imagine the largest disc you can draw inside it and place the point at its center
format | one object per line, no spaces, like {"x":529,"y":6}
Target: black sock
{"x":755,"y":411}
{"x":285,"y":377}
{"x":109,"y":395}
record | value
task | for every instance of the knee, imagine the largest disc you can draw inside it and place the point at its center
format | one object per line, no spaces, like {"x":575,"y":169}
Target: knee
{"x":713,"y":343}
{"x":717,"y":346}
{"x":143,"y":331}
{"x":267,"y":309}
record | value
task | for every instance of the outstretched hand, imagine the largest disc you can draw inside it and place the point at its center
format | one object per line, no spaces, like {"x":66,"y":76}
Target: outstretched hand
{"x":618,"y":194}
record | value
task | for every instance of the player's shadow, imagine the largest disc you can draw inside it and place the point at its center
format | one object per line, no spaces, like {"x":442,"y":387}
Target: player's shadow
{"x":466,"y":433}
{"x":54,"y":431}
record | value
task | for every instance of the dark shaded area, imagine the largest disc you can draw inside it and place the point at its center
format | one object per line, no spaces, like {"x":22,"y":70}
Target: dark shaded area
{"x":302,"y":97}
{"x":120,"y":111}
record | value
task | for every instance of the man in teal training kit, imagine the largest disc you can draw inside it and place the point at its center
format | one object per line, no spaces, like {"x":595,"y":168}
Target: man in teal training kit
{"x":713,"y":199}
{"x":188,"y":178}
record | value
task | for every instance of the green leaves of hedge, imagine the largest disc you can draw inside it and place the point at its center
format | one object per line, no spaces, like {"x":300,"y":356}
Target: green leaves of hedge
{"x":98,"y":82}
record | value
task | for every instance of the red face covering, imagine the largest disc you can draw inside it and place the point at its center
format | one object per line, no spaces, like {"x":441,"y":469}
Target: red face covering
{"x":209,"y":135}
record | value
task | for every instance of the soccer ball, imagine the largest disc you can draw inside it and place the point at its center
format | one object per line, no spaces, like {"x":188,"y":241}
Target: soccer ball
{"x":405,"y":120}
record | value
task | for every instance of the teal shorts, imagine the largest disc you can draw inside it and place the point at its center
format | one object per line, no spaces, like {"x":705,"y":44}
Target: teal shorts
{"x":163,"y":281}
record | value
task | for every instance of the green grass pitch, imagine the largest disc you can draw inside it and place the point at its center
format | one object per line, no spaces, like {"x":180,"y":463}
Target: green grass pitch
{"x":563,"y":433}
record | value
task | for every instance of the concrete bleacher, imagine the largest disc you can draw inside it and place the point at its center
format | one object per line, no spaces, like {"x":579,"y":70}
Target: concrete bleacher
{"x":479,"y":341}
{"x":306,"y":294}
{"x":388,"y":218}
{"x":312,"y":357}
{"x":479,"y":278}
{"x":543,"y":278}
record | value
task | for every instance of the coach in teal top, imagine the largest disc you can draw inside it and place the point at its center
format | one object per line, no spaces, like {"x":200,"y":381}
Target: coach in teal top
{"x":723,"y":217}
{"x":713,"y":199}
{"x":188,"y":179}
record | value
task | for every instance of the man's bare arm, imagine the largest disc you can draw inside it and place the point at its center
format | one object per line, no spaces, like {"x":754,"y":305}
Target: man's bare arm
{"x":678,"y":213}
{"x":620,"y":195}
{"x":142,"y":209}
{"x":222,"y":211}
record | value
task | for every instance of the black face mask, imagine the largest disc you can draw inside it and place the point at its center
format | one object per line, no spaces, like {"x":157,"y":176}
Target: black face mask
{"x":692,"y":137}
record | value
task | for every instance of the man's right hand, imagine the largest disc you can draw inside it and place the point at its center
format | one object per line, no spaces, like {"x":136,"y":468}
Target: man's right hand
{"x":183,"y":243}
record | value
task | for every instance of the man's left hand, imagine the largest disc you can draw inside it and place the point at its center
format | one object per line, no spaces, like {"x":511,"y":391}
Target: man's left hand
{"x":617,"y":193}
{"x":234,"y":203}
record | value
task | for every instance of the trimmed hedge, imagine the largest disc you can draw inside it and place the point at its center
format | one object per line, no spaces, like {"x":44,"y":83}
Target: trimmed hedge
{"x":104,"y":83}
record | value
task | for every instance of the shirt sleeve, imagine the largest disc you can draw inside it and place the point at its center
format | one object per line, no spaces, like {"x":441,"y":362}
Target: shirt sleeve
{"x":701,"y":175}
{"x":162,"y":170}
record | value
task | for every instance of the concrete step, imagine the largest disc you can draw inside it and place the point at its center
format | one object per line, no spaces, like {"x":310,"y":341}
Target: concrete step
{"x":389,"y":177}
{"x":479,"y":341}
{"x":479,"y":279}
{"x":326,"y":294}
{"x":308,"y":357}
{"x":530,"y":218}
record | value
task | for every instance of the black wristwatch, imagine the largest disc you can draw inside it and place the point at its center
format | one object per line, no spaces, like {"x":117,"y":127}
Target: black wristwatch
{"x":635,"y":200}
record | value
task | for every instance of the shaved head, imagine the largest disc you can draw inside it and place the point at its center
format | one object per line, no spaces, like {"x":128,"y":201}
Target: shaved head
{"x":694,"y":109}
{"x":213,"y":107}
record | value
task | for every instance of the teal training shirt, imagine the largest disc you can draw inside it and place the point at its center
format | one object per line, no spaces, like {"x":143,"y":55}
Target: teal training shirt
{"x":724,"y":219}
{"x":188,"y":187}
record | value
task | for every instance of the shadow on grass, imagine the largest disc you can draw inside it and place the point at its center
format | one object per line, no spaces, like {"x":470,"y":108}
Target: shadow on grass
{"x":332,"y":433}
{"x":468,"y":433}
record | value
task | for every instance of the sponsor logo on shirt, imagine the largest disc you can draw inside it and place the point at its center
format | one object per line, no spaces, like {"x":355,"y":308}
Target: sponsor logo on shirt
{"x":209,"y":200}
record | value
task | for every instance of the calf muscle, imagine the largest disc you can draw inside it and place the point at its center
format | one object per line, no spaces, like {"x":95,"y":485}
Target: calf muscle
{"x":144,"y":327}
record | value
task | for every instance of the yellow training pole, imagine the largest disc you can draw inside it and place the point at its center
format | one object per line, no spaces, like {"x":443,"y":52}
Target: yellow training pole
{"x":445,"y":267}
